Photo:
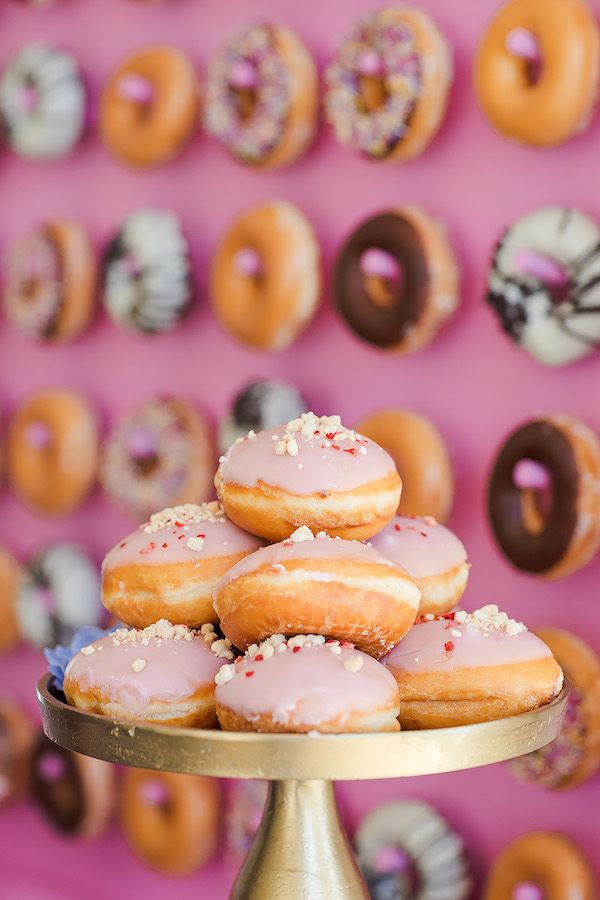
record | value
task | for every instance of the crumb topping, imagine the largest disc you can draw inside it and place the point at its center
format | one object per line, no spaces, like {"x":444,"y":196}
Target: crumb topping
{"x":309,"y":426}
{"x":186,"y":514}
{"x":164,"y":631}
{"x":488,"y":618}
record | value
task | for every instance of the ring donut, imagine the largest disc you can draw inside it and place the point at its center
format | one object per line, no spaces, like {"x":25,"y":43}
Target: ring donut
{"x":51,"y":282}
{"x":395,"y":279}
{"x":537,"y":69}
{"x":11,"y":574}
{"x":265,"y":278}
{"x":387,"y":86}
{"x":170,"y":821}
{"x":544,"y":496}
{"x":16,"y":743}
{"x":421,"y":457}
{"x":52,"y":451}
{"x":541,"y":865}
{"x":149,"y":106}
{"x":261,"y":96}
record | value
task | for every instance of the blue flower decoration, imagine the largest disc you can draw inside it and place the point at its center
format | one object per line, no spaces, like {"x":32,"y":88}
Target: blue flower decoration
{"x":59,"y":657}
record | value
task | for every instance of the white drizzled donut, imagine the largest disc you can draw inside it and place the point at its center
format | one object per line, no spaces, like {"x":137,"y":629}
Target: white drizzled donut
{"x":42,"y":102}
{"x":260,"y":405}
{"x":544,"y":284}
{"x":147,"y":277}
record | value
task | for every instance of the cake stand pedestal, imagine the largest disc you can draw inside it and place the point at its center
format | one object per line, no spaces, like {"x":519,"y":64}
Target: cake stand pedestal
{"x":300,"y":851}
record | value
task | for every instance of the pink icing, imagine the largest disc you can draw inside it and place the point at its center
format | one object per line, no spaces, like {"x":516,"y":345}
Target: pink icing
{"x":38,"y":435}
{"x":423,"y":649}
{"x":522,"y":42}
{"x":543,"y":267}
{"x":137,"y":88}
{"x":531,"y":475}
{"x":248,"y":262}
{"x":380,"y":263}
{"x":308,"y":687}
{"x":421,"y":546}
{"x":527,"y":890}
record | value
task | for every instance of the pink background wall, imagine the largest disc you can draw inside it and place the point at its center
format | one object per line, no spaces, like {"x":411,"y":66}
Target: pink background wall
{"x":471,"y":381}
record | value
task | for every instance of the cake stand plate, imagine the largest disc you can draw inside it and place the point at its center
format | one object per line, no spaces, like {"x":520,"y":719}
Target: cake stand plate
{"x":300,"y":850}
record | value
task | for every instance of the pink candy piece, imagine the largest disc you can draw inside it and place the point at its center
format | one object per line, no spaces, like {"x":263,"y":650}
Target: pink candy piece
{"x":392,"y":859}
{"x":522,"y":42}
{"x":376,"y":261}
{"x":527,"y":890}
{"x":141,"y":442}
{"x":51,"y":767}
{"x":248,"y":262}
{"x":136,"y":88}
{"x":38,"y":435}
{"x":369,"y":63}
{"x":530,"y":475}
{"x":27,"y":98}
{"x":154,"y":792}
{"x":543,"y":267}
{"x":243,"y":75}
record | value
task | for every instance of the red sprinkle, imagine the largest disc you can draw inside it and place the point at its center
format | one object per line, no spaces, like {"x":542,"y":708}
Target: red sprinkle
{"x":351,"y":450}
{"x":296,"y":649}
{"x":448,"y":646}
{"x":181,"y":537}
{"x":165,"y":545}
{"x":123,"y":544}
{"x":179,"y":524}
{"x":201,"y":535}
{"x":423,"y":534}
{"x":398,"y":527}
{"x":259,"y":657}
{"x":346,"y":644}
{"x":449,"y":615}
{"x":151,"y":546}
{"x":238,"y":659}
{"x":249,"y":674}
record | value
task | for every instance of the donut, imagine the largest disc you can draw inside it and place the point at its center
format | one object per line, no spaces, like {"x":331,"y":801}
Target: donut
{"x":16,"y":742}
{"x":169,"y":567}
{"x":52,"y":451}
{"x":537,"y":68}
{"x":159,"y":454}
{"x":462,"y":668}
{"x":279,"y":686}
{"x":50,"y":289}
{"x":149,"y":106}
{"x":313,"y":471}
{"x":421,"y":457}
{"x":11,"y":574}
{"x":406,"y":843}
{"x":42,"y":102}
{"x":261,"y":404}
{"x":170,"y":821}
{"x":244,"y":805}
{"x":163,"y":674}
{"x":387,"y":85}
{"x":544,"y":285}
{"x":541,"y":864}
{"x":574,"y":756}
{"x":146,"y":273}
{"x":74,"y":793}
{"x":544,"y":496}
{"x":395,"y":279}
{"x":432,"y":555}
{"x":265,"y":275}
{"x":59,"y":592}
{"x":306,"y":584}
{"x":261,"y":96}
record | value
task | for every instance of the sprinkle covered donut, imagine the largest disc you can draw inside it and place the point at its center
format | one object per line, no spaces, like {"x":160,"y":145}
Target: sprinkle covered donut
{"x":313,"y":471}
{"x":387,"y":85}
{"x":261,"y":96}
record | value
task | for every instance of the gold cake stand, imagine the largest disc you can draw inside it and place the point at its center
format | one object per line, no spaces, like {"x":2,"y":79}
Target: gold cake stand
{"x":300,"y":850}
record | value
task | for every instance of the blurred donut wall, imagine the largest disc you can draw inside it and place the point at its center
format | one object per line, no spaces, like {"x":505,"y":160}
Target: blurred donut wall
{"x":474,"y":383}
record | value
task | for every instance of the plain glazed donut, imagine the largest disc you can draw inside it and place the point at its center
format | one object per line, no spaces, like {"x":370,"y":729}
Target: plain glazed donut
{"x":49,"y":294}
{"x":541,"y":864}
{"x":265,"y":278}
{"x":169,"y":567}
{"x":149,"y":106}
{"x":312,"y":471}
{"x":261,"y":404}
{"x":432,"y":555}
{"x":170,"y":821}
{"x":421,"y":457}
{"x":279,"y":686}
{"x":387,"y":86}
{"x":306,"y":585}
{"x":16,"y":743}
{"x":462,"y":668}
{"x":11,"y":574}
{"x":52,"y":451}
{"x":395,"y":279}
{"x":163,"y":674}
{"x":537,"y":69}
{"x":261,"y":96}
{"x":544,"y":496}
{"x":574,"y":756}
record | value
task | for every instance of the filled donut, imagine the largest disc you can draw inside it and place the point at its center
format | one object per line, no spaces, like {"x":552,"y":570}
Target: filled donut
{"x":149,"y":106}
{"x":541,"y":864}
{"x":169,"y":567}
{"x":306,"y":585}
{"x":544,"y":284}
{"x":462,"y":668}
{"x":433,"y":556}
{"x":159,"y":454}
{"x":171,"y":822}
{"x":537,"y":69}
{"x":544,"y":496}
{"x":11,"y":574}
{"x":265,"y":278}
{"x":146,"y":273}
{"x":278,"y":686}
{"x":574,"y":756}
{"x":52,"y":451}
{"x":16,"y":744}
{"x":387,"y":85}
{"x":421,"y":457}
{"x":261,"y":96}
{"x":163,"y":674}
{"x":395,"y":279}
{"x":42,"y":102}
{"x":261,"y":404}
{"x":313,"y":471}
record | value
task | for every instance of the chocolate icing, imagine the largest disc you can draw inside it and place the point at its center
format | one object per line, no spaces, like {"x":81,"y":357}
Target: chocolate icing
{"x":383,"y":326}
{"x":61,"y":799}
{"x":543,"y":442}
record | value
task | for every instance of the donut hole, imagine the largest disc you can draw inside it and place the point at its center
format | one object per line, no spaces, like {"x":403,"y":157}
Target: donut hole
{"x":537,"y":496}
{"x":524,"y":46}
{"x":393,"y":873}
{"x":527,"y":890}
{"x":372,"y":93}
